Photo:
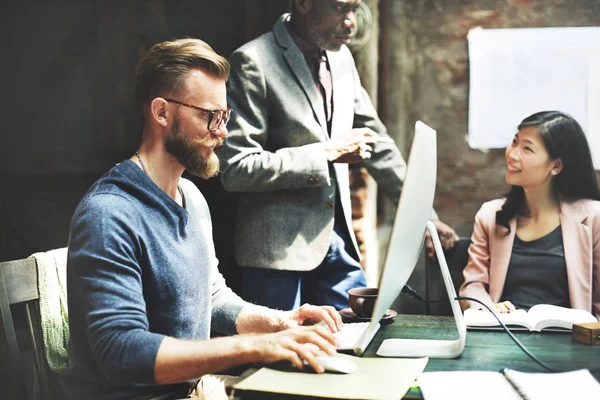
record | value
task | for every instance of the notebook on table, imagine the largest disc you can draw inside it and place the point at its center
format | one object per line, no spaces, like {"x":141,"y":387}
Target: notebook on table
{"x":508,"y":384}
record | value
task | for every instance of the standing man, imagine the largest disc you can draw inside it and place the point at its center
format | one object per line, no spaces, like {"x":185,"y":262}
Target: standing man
{"x":301,"y":117}
{"x":144,"y":290}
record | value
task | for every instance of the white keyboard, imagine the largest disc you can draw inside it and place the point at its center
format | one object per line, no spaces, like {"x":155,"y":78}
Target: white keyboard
{"x":350,"y":334}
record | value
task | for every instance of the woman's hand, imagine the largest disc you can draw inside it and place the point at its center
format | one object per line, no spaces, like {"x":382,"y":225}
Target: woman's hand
{"x":503,"y":307}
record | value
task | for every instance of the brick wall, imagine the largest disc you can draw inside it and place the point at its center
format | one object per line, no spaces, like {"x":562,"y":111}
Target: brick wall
{"x":425,"y":75}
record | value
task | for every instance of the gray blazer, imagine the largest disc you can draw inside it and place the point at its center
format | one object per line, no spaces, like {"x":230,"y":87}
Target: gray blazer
{"x":275,"y":156}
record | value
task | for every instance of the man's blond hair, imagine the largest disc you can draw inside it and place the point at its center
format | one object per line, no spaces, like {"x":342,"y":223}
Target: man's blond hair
{"x":164,"y":68}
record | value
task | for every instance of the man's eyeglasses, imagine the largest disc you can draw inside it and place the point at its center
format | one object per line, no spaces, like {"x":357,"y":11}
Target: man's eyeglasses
{"x":215,"y":117}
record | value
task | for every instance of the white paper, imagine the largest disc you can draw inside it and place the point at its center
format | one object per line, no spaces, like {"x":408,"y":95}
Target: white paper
{"x":489,"y":385}
{"x":516,"y":72}
{"x":561,"y":385}
{"x":466,"y":385}
{"x":593,"y":111}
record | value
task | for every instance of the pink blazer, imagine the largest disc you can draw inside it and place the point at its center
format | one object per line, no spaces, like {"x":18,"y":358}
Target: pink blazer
{"x":490,"y":250}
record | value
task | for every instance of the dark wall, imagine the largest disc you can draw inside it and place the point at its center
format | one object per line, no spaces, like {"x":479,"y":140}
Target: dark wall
{"x":67,"y":103}
{"x":67,"y":80}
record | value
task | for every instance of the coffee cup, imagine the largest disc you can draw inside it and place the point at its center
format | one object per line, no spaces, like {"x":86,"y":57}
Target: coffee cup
{"x":362,"y":301}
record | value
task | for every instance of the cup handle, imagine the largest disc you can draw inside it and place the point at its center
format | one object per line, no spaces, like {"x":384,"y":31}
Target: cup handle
{"x":359,"y":306}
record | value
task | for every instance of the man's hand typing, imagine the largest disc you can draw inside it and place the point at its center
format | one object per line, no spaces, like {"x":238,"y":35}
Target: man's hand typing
{"x":295,"y":345}
{"x":258,"y":319}
{"x":308,"y":314}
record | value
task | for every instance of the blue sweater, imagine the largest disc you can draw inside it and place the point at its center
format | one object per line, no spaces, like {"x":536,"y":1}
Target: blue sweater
{"x":140,"y":267}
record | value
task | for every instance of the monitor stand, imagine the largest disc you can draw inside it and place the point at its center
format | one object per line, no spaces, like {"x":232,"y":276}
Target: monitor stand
{"x":425,"y":347}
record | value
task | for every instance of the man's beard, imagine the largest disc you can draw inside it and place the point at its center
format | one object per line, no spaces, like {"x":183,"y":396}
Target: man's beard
{"x":324,"y":39}
{"x":321,"y":40}
{"x":188,"y":152}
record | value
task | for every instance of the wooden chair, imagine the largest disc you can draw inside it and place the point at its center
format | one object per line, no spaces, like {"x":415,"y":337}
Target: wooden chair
{"x":23,"y":367}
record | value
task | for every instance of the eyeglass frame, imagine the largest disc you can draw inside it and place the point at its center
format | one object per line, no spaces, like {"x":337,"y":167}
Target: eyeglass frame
{"x":223,"y":116}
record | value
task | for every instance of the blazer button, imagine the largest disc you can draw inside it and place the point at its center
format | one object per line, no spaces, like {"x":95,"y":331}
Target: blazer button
{"x":329,"y":205}
{"x":313,"y":180}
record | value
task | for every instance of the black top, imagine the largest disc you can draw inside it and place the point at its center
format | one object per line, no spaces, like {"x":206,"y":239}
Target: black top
{"x":537,"y":272}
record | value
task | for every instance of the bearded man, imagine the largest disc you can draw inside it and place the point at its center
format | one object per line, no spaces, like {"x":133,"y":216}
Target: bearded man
{"x":144,"y":290}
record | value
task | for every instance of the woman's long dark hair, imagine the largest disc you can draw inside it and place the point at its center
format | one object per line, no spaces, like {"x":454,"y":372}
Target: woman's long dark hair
{"x":564,"y":139}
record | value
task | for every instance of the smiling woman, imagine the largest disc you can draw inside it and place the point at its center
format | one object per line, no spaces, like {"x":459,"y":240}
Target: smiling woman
{"x":536,"y":245}
{"x":529,"y":164}
{"x":552,"y":145}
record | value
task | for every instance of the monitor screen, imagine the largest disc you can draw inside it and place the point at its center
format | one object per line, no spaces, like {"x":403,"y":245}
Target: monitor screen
{"x":404,"y":248}
{"x":413,"y":212}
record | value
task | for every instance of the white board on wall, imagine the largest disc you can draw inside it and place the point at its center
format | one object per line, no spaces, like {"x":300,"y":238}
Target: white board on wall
{"x":517,"y":72}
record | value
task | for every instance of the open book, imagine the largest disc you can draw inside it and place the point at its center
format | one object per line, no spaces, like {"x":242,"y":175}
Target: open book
{"x":508,"y":385}
{"x":541,"y":316}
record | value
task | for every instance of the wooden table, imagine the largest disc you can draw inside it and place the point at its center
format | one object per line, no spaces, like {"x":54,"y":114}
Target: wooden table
{"x":484,"y":350}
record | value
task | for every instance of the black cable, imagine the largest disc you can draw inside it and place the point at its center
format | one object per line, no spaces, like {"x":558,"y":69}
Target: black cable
{"x":413,"y":293}
{"x":534,"y":358}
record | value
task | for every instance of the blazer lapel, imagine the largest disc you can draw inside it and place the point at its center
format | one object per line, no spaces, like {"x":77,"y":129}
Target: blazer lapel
{"x":577,"y":241}
{"x":299,"y":70}
{"x":500,"y":251}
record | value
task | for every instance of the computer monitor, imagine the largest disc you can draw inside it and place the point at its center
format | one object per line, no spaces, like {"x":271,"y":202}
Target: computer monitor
{"x":405,"y":245}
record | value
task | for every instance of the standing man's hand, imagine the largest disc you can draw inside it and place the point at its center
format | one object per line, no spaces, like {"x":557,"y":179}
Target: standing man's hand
{"x":352,"y":148}
{"x":447,"y":236}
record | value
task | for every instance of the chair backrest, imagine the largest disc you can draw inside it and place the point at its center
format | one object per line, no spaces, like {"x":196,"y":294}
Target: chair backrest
{"x":23,"y":365}
{"x":457,"y":259}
